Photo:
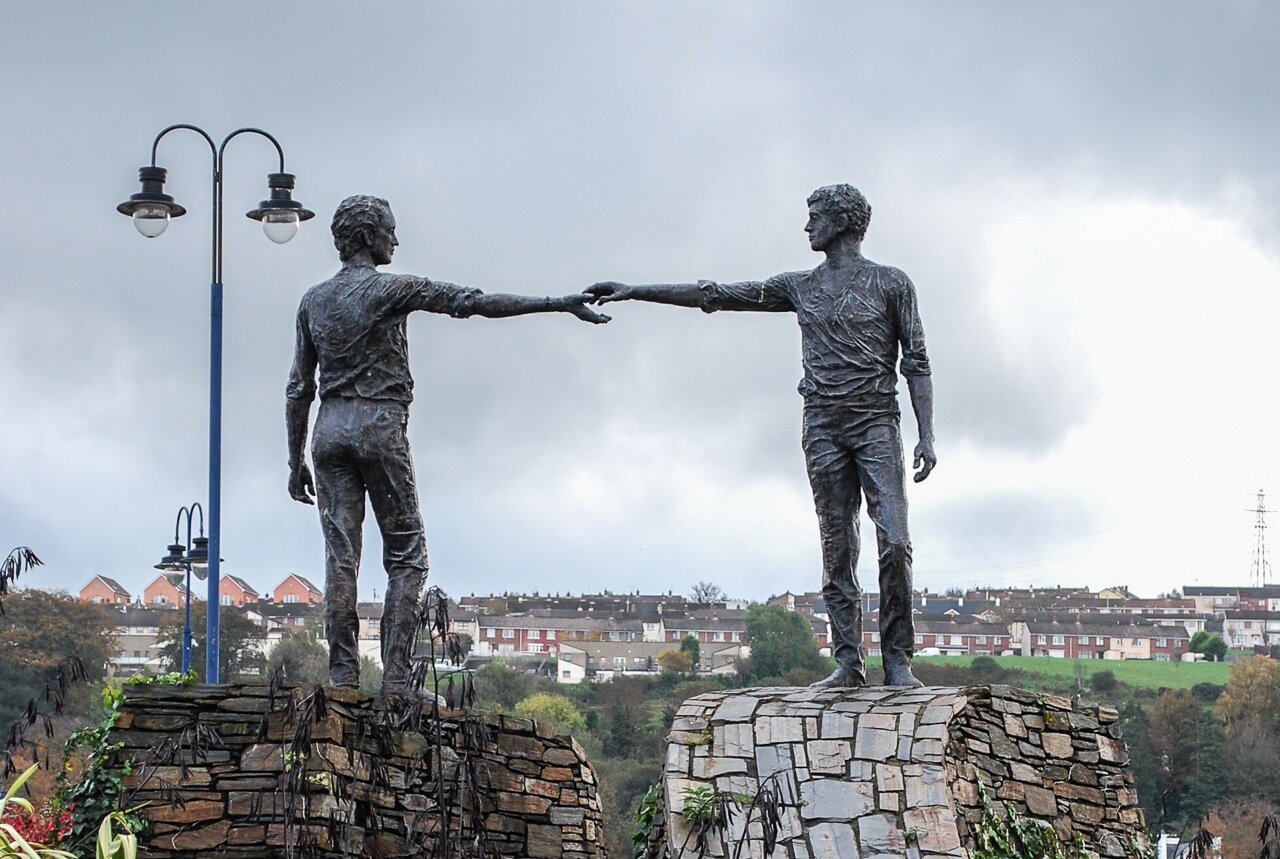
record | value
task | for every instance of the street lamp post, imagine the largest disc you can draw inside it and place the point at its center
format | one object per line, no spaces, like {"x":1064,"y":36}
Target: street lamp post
{"x":151,"y":210}
{"x":194,"y":554}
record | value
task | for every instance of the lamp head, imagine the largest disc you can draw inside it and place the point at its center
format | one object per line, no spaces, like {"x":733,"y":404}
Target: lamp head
{"x":198,"y":557}
{"x":281,"y":214}
{"x":175,"y":560}
{"x":151,"y":208}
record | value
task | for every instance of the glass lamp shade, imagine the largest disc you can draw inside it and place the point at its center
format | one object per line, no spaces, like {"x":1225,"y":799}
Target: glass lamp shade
{"x":280,"y":225}
{"x":199,"y":554}
{"x":151,"y":219}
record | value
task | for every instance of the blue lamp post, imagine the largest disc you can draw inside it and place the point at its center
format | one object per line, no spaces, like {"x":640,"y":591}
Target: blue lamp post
{"x":192,"y":555}
{"x":151,"y":210}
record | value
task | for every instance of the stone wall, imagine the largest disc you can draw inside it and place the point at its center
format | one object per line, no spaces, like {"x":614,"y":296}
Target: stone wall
{"x":235,"y":771}
{"x":865,"y":772}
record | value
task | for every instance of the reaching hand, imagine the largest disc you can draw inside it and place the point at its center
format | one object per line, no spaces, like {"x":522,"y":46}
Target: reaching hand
{"x":926,"y":459}
{"x":608,"y":290}
{"x":301,"y":487}
{"x":577,"y":305}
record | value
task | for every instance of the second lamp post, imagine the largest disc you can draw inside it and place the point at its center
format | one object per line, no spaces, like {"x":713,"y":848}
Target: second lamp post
{"x":151,"y":210}
{"x":192,"y":555}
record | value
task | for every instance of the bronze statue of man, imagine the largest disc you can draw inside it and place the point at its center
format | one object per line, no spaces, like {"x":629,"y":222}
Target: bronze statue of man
{"x":854,"y":315}
{"x":352,"y":328}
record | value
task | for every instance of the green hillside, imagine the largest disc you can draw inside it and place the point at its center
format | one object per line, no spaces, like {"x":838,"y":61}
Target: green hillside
{"x":1047,"y":673}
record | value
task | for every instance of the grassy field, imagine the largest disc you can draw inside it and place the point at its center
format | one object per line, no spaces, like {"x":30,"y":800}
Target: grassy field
{"x":1137,"y":673}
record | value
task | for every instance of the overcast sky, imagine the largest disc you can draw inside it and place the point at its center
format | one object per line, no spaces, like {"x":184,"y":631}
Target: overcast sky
{"x":1084,"y":195}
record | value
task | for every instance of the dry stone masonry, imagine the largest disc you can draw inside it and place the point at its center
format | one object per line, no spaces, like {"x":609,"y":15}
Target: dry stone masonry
{"x":363,"y":778}
{"x":878,"y":772}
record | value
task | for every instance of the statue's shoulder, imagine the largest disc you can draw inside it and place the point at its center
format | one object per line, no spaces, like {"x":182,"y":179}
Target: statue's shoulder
{"x":792,"y":279}
{"x":891,"y":276}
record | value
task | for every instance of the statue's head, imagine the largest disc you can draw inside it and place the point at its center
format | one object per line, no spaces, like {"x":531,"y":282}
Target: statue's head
{"x":835,"y":210}
{"x":363,"y":222}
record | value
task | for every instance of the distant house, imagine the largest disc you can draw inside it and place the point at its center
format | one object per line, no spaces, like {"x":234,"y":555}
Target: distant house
{"x":603,"y":660}
{"x":1245,"y":629}
{"x":235,"y":591}
{"x":168,"y":589}
{"x":296,"y":589}
{"x":1099,"y":637}
{"x":104,"y":591}
{"x":136,"y":633}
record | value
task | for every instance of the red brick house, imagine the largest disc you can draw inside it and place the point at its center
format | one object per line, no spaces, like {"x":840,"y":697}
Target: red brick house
{"x":233,"y":590}
{"x":104,"y":591}
{"x":296,"y":589}
{"x":168,"y":589}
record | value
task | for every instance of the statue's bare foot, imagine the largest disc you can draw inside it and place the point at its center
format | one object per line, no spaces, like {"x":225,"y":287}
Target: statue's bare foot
{"x":897,"y":671}
{"x":844,"y":677}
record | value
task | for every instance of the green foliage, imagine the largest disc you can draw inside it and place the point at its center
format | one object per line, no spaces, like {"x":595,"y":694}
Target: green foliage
{"x":553,"y":711}
{"x":115,"y":845}
{"x":304,"y":659}
{"x":984,"y":666}
{"x":1004,"y":834}
{"x":689,"y":645}
{"x":1212,"y":646}
{"x":173,"y":678}
{"x":675,"y":662}
{"x":1103,"y":681}
{"x":11,"y":841}
{"x":1188,"y":742}
{"x":370,"y":676}
{"x":646,"y":815}
{"x":500,"y":687}
{"x":96,"y":796}
{"x":40,"y":629}
{"x":781,"y":641}
{"x":238,"y":653}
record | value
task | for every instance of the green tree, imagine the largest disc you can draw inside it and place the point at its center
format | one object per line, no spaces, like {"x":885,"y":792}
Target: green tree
{"x":555,"y":711}
{"x":781,"y":641}
{"x":689,"y":645}
{"x":1212,"y":646}
{"x":370,"y":676}
{"x":1103,"y":681}
{"x":39,"y":629}
{"x":675,"y":662}
{"x":239,"y":645}
{"x":305,"y":659}
{"x":1187,"y":748}
{"x":500,"y":687}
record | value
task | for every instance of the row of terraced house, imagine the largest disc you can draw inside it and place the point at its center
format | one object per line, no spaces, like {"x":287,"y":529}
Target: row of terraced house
{"x":601,"y":636}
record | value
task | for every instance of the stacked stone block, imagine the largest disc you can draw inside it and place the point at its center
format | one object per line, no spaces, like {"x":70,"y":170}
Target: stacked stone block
{"x":877,"y":772}
{"x":536,"y":793}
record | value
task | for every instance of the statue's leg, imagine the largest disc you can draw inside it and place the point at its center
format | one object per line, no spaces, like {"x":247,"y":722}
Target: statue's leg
{"x":393,"y":493}
{"x":340,"y":499}
{"x":880,"y":470}
{"x":833,"y":477}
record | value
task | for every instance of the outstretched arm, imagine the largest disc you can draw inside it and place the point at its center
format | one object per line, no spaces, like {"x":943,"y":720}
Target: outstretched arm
{"x":497,"y":305}
{"x":769,"y":296}
{"x":679,"y":294}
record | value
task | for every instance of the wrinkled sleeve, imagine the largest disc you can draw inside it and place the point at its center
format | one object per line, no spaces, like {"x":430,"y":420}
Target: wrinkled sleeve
{"x":432,"y":296}
{"x":302,"y":378}
{"x":915,"y":360}
{"x":771,"y":296}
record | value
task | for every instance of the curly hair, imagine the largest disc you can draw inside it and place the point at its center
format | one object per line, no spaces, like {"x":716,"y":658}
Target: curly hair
{"x":353,"y":217}
{"x":844,"y":200}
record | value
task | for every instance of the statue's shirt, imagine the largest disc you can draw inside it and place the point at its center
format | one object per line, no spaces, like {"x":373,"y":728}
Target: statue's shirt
{"x":353,"y":327}
{"x":852,"y":323}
